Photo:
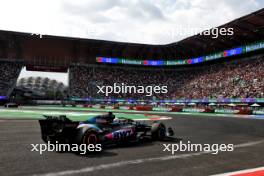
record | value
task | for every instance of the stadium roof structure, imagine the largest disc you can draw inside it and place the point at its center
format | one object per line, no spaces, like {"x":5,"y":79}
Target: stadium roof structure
{"x":247,"y":29}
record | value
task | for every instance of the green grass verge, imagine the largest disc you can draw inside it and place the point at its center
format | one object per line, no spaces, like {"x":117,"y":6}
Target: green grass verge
{"x":76,"y":116}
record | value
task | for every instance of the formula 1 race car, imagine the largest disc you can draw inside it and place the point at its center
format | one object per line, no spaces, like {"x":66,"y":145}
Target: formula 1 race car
{"x":101,"y":129}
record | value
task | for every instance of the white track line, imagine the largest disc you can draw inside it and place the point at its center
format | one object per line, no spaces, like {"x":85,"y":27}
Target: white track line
{"x":138,"y":161}
{"x":241,"y":172}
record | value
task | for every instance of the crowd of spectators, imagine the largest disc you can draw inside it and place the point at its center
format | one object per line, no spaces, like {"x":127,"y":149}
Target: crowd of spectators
{"x":9,"y":72}
{"x":233,"y":79}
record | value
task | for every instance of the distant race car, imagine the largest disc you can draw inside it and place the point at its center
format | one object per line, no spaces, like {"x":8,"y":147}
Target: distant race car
{"x":102,"y":129}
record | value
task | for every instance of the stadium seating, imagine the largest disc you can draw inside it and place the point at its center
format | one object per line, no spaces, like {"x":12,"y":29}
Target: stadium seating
{"x":9,"y":72}
{"x":242,"y":78}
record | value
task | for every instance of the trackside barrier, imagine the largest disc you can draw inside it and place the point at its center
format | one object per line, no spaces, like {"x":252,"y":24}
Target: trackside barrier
{"x":124,"y":107}
{"x":178,"y":109}
{"x":87,"y":106}
{"x":192,"y":110}
{"x":258,"y":112}
{"x":143,"y":108}
{"x":109,"y":107}
{"x":98,"y":106}
{"x":226,"y":111}
{"x":163,"y":109}
{"x":245,"y":111}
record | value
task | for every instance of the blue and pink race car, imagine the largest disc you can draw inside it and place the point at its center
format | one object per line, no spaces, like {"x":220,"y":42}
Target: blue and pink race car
{"x":102,"y":129}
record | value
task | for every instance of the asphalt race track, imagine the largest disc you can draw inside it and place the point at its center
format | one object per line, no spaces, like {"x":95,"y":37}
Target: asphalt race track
{"x":148,"y":158}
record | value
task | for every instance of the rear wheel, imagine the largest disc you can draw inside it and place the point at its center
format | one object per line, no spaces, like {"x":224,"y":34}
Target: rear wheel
{"x":92,"y":140}
{"x":91,"y":137}
{"x":158,"y":131}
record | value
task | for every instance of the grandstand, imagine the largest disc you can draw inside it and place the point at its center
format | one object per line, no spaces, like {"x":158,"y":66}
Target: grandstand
{"x":242,"y":78}
{"x":9,"y":74}
{"x":222,"y":68}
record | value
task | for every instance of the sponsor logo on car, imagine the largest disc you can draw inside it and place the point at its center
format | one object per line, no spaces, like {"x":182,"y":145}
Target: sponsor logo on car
{"x":121,"y":134}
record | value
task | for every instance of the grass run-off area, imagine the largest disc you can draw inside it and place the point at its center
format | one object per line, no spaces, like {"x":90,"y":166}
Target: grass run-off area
{"x":75,"y":116}
{"x":81,"y":114}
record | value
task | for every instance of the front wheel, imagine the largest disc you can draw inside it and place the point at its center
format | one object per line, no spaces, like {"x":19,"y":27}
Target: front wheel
{"x":158,"y":131}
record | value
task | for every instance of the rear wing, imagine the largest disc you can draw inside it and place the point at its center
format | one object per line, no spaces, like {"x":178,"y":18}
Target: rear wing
{"x":53,"y":127}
